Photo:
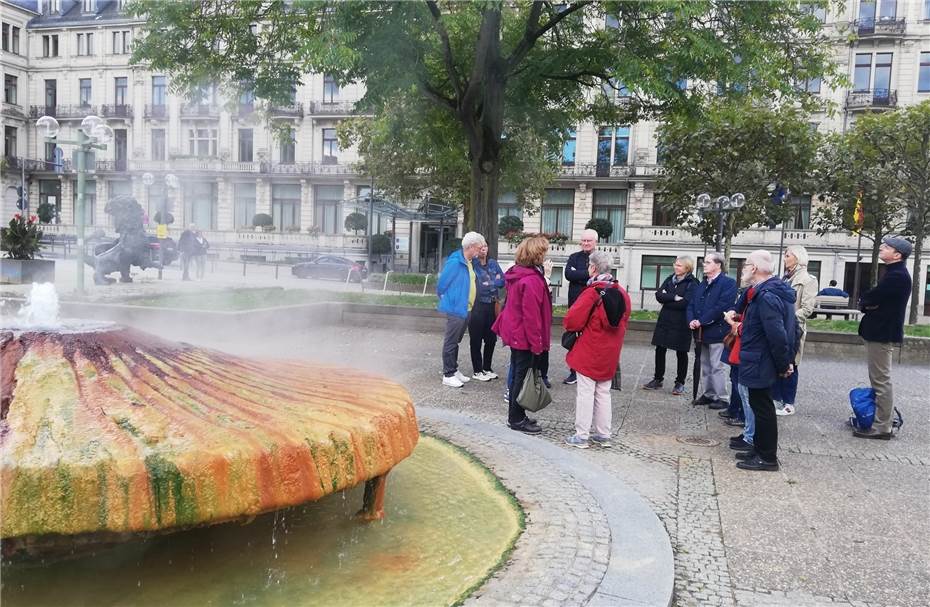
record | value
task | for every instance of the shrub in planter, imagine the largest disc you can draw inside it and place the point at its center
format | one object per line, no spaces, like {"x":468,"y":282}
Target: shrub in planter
{"x":314,"y":231}
{"x":168,"y":217}
{"x":263,"y":221}
{"x":20,"y":240}
{"x":356,"y":221}
{"x":556,"y":238}
{"x":509,"y":224}
{"x":600,"y":225}
{"x":381,"y":244}
{"x":516,"y":237}
{"x":46,"y":212}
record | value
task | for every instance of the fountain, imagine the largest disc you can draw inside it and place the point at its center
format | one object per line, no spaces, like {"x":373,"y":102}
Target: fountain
{"x":107,"y":432}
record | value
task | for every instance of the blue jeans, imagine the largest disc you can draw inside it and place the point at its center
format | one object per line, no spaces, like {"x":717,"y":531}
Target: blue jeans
{"x":786,"y":388}
{"x":735,"y":410}
{"x":749,"y":431}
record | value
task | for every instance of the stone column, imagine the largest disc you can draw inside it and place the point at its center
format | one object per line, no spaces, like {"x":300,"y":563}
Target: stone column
{"x":306,"y":205}
{"x":583,"y":211}
{"x":224,"y":205}
{"x":262,"y":196}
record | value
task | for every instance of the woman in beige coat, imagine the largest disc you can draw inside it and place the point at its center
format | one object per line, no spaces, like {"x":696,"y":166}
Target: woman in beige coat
{"x":805,"y":288}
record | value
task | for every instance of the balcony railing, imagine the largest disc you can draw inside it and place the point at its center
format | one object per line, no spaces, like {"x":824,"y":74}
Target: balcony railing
{"x":112,"y":166}
{"x":197,"y":110}
{"x":116,"y":111}
{"x":292,"y":109}
{"x":595,"y":170}
{"x":891,"y":28}
{"x":332,"y":108}
{"x":62,"y":112}
{"x":13,"y":110}
{"x":15,"y":163}
{"x":873,"y":99}
{"x":157,"y":112}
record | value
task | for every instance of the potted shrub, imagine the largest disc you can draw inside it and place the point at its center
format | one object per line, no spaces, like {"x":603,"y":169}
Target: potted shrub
{"x":46,"y":212}
{"x":508,"y":225}
{"x":263,"y":222}
{"x":356,"y":221}
{"x":20,"y":241}
{"x":602,"y":226}
{"x":381,"y":244}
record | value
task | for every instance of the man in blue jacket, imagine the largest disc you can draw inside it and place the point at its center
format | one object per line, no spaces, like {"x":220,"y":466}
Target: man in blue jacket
{"x":457,"y":290}
{"x":768,"y":344}
{"x":882,"y":326}
{"x":833,"y":291}
{"x":715,"y":295}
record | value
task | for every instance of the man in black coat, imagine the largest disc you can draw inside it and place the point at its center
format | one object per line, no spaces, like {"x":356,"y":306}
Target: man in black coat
{"x":576,"y":273}
{"x":882,"y":326}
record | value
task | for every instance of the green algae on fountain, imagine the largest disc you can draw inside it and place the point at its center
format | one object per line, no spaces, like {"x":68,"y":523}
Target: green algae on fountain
{"x":448,"y":524}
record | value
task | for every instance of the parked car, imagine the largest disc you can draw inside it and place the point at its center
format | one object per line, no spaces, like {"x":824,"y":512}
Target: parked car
{"x":331,"y":267}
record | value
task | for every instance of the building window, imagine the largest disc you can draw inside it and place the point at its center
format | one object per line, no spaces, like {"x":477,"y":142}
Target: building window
{"x":926,"y":9}
{"x":818,"y":11}
{"x":121,"y":90}
{"x":887,"y":10}
{"x":558,"y":209}
{"x":245,"y":145}
{"x":288,"y":148}
{"x":507,"y":206}
{"x":611,"y":205}
{"x":654,"y":269}
{"x":285,"y":206}
{"x":158,"y":144}
{"x":201,"y":141}
{"x":330,"y":147}
{"x":200,"y":204}
{"x":812,"y":85}
{"x":157,"y":200}
{"x":85,"y":91}
{"x":882,"y":75}
{"x":330,"y":89}
{"x":50,"y":193}
{"x":568,"y":148}
{"x":204,"y":95}
{"x":327,"y":208}
{"x":6,"y":37}
{"x":51,"y":96}
{"x":801,"y":219}
{"x":85,"y":44}
{"x":89,"y":6}
{"x":863,"y":72}
{"x":14,"y":40}
{"x":50,"y":45}
{"x":615,"y":90}
{"x":244,"y":205}
{"x":50,"y":149}
{"x":867,"y":13}
{"x":9,"y":141}
{"x":121,"y":42}
{"x":246,"y":101}
{"x":10,"y":85}
{"x":923,"y":80}
{"x":661,"y":215}
{"x":613,"y":145}
{"x":159,"y":91}
{"x":90,"y":201}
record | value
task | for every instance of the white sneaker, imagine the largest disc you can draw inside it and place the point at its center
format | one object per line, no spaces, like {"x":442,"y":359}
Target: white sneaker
{"x":481,"y":376}
{"x":491,"y":375}
{"x":452,"y":382}
{"x":462,"y":378}
{"x":785,"y":410}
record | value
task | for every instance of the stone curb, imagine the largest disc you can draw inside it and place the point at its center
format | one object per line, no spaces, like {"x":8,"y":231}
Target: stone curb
{"x":641,"y":568}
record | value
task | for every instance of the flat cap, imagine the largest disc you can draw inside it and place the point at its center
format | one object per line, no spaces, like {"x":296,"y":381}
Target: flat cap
{"x":902,"y":246}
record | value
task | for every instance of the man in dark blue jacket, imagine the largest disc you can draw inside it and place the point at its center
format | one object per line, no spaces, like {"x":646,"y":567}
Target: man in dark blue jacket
{"x":457,"y":289}
{"x":714,"y":296}
{"x":882,"y":326}
{"x":768,"y":343}
{"x":576,"y":273}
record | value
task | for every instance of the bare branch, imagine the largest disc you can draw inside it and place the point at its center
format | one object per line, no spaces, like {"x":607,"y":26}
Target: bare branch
{"x":446,"y":47}
{"x":532,"y":34}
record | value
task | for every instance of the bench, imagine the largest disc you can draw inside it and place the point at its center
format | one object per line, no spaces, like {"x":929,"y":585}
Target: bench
{"x":254,"y":258}
{"x":828,"y":305}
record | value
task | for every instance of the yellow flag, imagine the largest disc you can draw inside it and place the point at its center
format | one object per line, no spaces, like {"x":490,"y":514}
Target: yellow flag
{"x":858,"y":214}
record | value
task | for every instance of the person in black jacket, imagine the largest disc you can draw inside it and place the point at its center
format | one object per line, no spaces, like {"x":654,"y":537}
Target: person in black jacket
{"x":576,"y":273}
{"x":672,"y":332}
{"x":882,"y":326}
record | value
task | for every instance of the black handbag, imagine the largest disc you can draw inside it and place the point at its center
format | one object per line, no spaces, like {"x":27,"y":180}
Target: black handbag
{"x":569,"y":338}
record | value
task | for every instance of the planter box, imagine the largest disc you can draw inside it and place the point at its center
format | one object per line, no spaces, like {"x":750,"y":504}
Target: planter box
{"x":25,"y":271}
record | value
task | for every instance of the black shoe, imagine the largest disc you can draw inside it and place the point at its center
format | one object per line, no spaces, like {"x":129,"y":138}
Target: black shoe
{"x":527,"y":426}
{"x":757,"y":463}
{"x":679,"y":389}
{"x":726,"y":415}
{"x":745,"y":455}
{"x":735,"y":422}
{"x":872,"y":433}
{"x":717,"y":405}
{"x":571,"y":380}
{"x":702,"y":400}
{"x":740,"y":445}
{"x":547,"y":383}
{"x":736,"y":439}
{"x":655,"y":384}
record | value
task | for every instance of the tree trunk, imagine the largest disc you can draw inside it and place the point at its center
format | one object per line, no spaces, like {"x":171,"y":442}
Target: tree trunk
{"x":920,"y":232}
{"x":873,"y":268}
{"x":484,"y":187}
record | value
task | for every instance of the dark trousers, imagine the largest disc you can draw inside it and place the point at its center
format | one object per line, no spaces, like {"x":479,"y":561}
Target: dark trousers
{"x":786,"y":388}
{"x":681,"y":371}
{"x":455,"y":331}
{"x":479,"y":332}
{"x":522,"y":361}
{"x":735,"y":410}
{"x":765,"y":441}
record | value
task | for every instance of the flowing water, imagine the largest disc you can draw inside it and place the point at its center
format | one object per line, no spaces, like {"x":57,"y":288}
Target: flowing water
{"x":447,"y":525}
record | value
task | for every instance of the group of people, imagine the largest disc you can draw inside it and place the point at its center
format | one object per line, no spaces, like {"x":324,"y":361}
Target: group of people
{"x":758,"y":329}
{"x":192,"y":245}
{"x":469,"y":290}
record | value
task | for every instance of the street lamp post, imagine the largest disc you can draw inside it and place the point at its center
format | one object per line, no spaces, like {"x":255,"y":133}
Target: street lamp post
{"x":94,"y":134}
{"x":721,"y":206}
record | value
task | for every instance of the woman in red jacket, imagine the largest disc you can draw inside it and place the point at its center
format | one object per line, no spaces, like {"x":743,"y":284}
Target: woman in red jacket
{"x":525,"y":323}
{"x":601,"y":313}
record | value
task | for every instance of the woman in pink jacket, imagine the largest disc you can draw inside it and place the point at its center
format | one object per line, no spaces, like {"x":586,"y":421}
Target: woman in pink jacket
{"x":525,"y":324}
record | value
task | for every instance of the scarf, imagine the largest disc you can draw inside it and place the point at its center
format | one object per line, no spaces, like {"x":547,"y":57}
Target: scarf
{"x":606,"y":277}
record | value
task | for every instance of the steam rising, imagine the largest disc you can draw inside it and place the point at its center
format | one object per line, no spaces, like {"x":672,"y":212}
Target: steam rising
{"x":40,"y":313}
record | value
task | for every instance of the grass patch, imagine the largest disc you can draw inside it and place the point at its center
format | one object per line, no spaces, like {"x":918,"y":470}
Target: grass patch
{"x":404,"y":279}
{"x":852,"y":326}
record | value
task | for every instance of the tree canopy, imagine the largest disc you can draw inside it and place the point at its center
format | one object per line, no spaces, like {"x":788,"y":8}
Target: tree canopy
{"x":485,"y":86}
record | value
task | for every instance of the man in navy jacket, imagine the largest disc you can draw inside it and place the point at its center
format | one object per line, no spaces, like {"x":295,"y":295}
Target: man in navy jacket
{"x":768,"y":343}
{"x":715,"y":295}
{"x":882,"y":326}
{"x":457,"y":289}
{"x":576,"y":273}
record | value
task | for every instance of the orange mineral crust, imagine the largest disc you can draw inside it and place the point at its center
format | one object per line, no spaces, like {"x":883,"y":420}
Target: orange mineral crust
{"x":119,"y":431}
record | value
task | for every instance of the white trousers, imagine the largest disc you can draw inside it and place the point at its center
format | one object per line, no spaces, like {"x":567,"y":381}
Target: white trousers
{"x":592,"y":404}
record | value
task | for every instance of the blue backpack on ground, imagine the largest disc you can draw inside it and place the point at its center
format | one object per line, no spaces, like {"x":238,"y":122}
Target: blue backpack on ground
{"x":862,"y":401}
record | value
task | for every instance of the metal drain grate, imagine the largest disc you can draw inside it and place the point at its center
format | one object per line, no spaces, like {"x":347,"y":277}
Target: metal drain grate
{"x":697,"y":441}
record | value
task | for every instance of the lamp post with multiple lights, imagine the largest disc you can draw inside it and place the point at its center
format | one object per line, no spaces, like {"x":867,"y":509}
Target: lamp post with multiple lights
{"x":722,"y":206}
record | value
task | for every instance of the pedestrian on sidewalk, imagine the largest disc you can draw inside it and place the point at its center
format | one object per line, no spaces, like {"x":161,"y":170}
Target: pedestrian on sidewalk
{"x":457,"y":290}
{"x":671,"y":331}
{"x":767,"y":347}
{"x":200,"y":253}
{"x":525,"y":323}
{"x":576,"y":273}
{"x":714,"y":295}
{"x":882,"y":326}
{"x":805,"y":288}
{"x":739,"y":412}
{"x":187,"y":247}
{"x":490,"y":279}
{"x":601,"y":313}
